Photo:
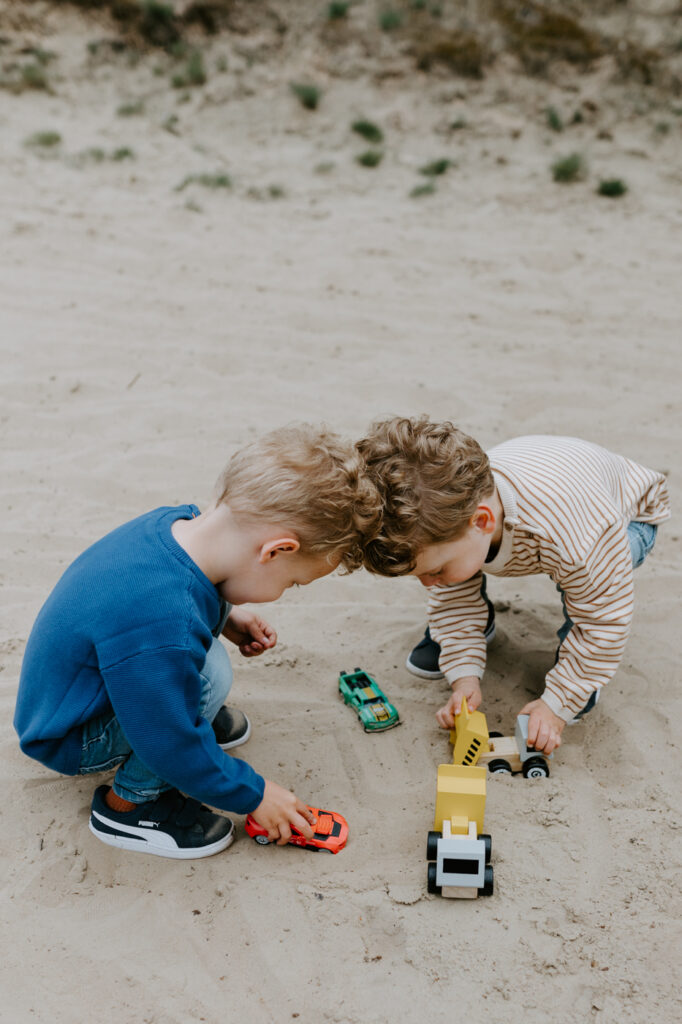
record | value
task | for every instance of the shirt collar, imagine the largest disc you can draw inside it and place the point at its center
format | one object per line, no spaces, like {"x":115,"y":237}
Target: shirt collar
{"x":511,"y":519}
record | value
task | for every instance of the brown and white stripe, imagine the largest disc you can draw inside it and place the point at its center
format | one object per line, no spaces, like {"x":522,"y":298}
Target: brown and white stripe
{"x":567,"y":504}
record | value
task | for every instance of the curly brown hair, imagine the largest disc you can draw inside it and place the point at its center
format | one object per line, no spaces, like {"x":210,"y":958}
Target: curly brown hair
{"x":309,"y":479}
{"x":431,"y":478}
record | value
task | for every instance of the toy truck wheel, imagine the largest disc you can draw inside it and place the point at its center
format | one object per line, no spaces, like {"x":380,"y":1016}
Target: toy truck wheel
{"x":488,"y":883}
{"x":495,"y":735}
{"x":432,"y":845}
{"x":262,"y":840}
{"x":535,"y":768}
{"x":499,"y":767}
{"x":434,"y":889}
{"x":488,"y":846}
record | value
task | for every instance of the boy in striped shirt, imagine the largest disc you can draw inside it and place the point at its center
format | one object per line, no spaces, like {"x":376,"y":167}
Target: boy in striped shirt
{"x":540,"y":504}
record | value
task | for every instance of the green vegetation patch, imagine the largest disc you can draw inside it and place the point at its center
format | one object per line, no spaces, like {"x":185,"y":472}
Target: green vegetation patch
{"x":34,"y":76}
{"x":194,"y":72}
{"x":44,"y":140}
{"x":612,"y":187}
{"x":368,"y":130}
{"x":435,"y":168}
{"x":338,"y":10}
{"x":554,"y":119}
{"x":220,"y":180}
{"x":568,"y":169}
{"x":132,"y":109}
{"x":370,"y":158}
{"x":390,"y":19}
{"x":419,"y":191}
{"x":308,"y":95}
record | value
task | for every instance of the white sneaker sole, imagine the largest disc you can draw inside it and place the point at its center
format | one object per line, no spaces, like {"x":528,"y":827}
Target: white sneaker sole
{"x":423,"y":673}
{"x":157,"y":843}
{"x":242,"y":739}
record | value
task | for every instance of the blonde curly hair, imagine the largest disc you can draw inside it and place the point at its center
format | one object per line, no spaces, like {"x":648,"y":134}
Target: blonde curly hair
{"x":431,"y":478}
{"x":311,"y":480}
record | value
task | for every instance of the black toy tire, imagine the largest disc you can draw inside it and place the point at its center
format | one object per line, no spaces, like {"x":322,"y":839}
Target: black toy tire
{"x":432,"y":845}
{"x":431,"y":886}
{"x":488,"y":846}
{"x":488,"y":882}
{"x":499,"y":767}
{"x":535,"y":768}
{"x":495,"y":735}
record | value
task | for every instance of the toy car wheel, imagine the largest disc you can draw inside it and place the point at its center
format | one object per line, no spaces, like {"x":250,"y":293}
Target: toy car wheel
{"x":434,"y":889}
{"x":535,"y":768}
{"x":499,"y":767}
{"x":432,"y":845}
{"x":488,"y":846}
{"x":262,"y":840}
{"x":488,"y":883}
{"x":495,"y":735}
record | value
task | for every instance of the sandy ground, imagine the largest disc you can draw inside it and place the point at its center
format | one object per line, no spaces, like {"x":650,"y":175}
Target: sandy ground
{"x":146,"y":332}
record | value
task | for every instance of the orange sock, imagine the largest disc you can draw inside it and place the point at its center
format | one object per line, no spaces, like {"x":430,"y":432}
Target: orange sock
{"x":117,"y":803}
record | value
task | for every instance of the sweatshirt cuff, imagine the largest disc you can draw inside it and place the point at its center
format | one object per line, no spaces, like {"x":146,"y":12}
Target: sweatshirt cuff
{"x":555,"y":705}
{"x":453,"y":674}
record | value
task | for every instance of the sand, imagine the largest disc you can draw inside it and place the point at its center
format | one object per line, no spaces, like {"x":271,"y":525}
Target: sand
{"x":146,"y":333}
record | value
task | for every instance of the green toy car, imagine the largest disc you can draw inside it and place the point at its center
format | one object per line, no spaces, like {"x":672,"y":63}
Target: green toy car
{"x":371,"y":705}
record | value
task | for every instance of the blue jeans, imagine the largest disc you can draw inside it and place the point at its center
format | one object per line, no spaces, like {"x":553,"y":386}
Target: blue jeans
{"x":105,"y":746}
{"x":642,"y":537}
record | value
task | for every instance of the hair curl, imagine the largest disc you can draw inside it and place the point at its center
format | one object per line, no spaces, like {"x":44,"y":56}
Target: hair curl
{"x":431,"y":478}
{"x":309,"y":479}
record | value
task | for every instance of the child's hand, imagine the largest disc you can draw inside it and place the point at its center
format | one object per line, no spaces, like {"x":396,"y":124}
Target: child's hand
{"x":467,"y":686}
{"x":249,"y":632}
{"x":279,"y":810}
{"x":544,"y":727}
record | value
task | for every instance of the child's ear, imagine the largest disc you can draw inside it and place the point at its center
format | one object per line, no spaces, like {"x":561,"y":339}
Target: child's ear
{"x":484,"y":519}
{"x":282,"y":545}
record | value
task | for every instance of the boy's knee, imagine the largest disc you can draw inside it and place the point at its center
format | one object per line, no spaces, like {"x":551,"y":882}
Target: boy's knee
{"x":641,"y":537}
{"x":216,"y":680}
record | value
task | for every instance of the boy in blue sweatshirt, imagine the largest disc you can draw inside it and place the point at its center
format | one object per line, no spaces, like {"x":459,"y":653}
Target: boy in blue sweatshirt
{"x":124,"y":667}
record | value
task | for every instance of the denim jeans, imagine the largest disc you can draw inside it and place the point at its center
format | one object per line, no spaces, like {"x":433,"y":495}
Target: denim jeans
{"x":105,"y":745}
{"x":642,"y":537}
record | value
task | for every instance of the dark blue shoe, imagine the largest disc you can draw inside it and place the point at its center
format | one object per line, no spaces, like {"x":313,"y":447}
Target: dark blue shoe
{"x":231,"y":727}
{"x":173,"y":826}
{"x":422,"y":660}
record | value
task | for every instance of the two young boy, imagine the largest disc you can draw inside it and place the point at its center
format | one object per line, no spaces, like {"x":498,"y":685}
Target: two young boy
{"x":124,"y":667}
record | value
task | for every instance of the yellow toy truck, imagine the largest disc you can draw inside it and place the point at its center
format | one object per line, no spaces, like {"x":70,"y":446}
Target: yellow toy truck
{"x":502,"y":755}
{"x":459,"y":854}
{"x":458,"y":850}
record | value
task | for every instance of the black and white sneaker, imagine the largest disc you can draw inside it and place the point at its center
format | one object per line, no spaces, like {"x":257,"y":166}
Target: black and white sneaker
{"x":231,"y":727}
{"x":422,"y":660}
{"x":173,"y":826}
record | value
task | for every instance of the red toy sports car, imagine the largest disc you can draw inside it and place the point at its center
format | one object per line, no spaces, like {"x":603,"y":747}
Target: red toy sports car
{"x":330,"y":832}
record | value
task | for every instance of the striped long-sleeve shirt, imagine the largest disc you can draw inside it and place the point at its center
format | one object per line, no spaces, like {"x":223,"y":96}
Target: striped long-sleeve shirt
{"x":567,"y":504}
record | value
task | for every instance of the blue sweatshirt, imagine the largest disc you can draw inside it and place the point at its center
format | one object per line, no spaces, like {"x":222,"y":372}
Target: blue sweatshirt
{"x":128,"y":627}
